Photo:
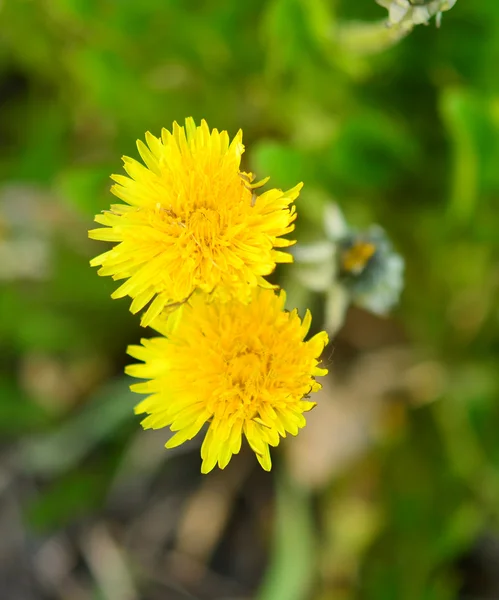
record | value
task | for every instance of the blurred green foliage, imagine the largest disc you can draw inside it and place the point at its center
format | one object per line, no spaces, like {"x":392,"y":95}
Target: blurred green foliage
{"x":407,"y":137}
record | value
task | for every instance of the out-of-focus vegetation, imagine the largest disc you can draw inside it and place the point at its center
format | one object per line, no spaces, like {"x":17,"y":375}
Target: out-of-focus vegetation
{"x":392,"y":490}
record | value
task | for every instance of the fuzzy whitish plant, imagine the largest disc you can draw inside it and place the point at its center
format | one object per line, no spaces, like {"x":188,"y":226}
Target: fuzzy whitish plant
{"x":350,"y":266}
{"x":403,"y":16}
{"x":408,"y":13}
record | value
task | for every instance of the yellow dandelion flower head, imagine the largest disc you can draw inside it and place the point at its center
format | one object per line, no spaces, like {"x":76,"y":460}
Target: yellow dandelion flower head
{"x":192,"y":221}
{"x":243,"y":368}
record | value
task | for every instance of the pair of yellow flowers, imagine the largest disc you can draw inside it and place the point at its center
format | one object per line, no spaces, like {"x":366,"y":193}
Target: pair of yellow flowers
{"x":194,"y":243}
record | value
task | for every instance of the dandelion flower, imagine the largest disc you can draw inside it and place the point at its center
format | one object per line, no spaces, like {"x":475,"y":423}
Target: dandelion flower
{"x":192,"y":221}
{"x":243,"y":368}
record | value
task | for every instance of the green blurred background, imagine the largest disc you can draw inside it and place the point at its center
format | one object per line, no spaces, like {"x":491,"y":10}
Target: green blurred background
{"x":392,"y":490}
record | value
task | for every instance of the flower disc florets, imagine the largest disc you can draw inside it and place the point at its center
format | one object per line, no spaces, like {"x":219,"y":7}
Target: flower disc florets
{"x":243,"y":368}
{"x":192,"y":221}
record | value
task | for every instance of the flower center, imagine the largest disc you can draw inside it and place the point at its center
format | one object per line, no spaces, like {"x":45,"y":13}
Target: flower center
{"x":204,"y":226}
{"x":245,"y":375}
{"x":355,"y":258}
{"x":245,"y":369}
